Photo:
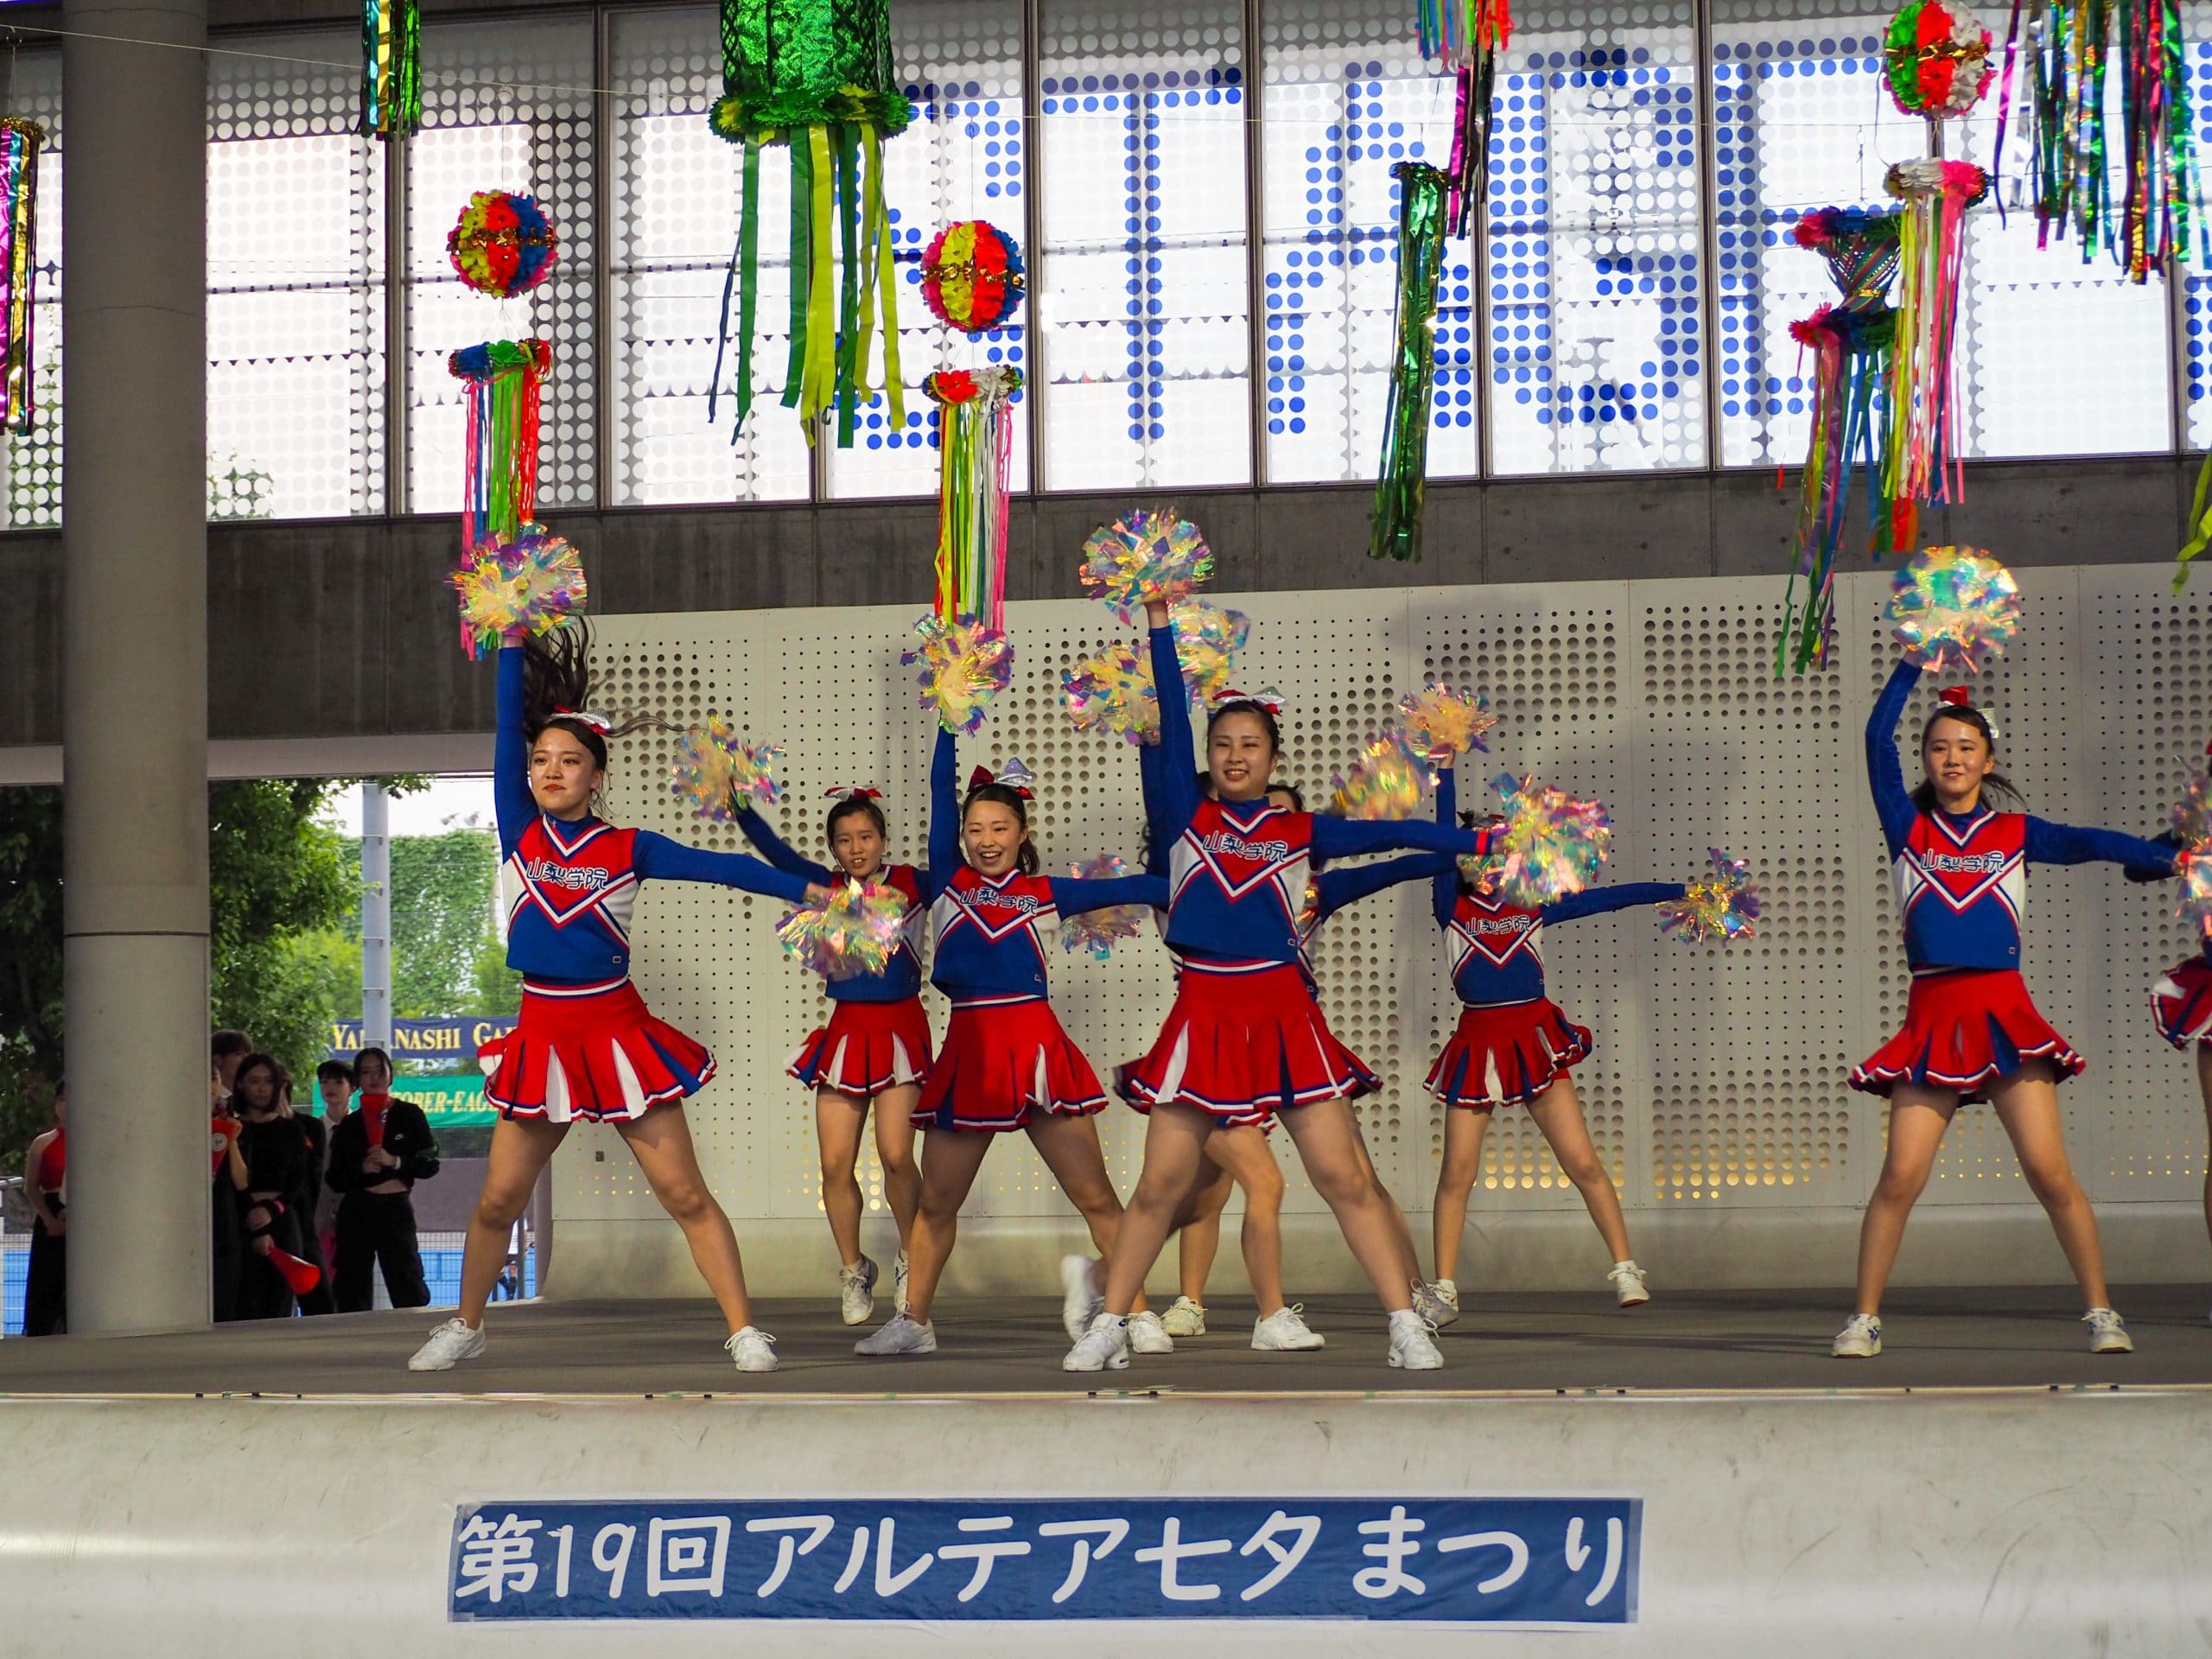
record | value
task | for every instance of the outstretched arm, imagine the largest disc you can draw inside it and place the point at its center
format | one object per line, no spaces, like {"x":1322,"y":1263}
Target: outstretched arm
{"x":1073,"y":894}
{"x":1883,"y":774}
{"x":944,"y":817}
{"x":776,"y":850}
{"x":1596,"y":902}
{"x":1349,"y":838}
{"x":659,"y":858}
{"x":512,"y":803}
{"x":1174,"y":797}
{"x":2063,"y":843}
{"x":1444,"y":893}
{"x":1334,"y":889}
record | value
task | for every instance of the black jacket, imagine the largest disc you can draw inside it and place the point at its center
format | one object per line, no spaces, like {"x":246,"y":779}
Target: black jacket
{"x":406,"y":1136}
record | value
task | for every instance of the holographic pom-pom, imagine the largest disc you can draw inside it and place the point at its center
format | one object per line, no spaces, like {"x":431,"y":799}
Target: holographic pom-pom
{"x":1146,"y":556}
{"x":1113,"y":692}
{"x":1207,"y":639}
{"x":529,"y":583}
{"x":964,"y":666}
{"x":1095,"y":931}
{"x":1723,"y":907}
{"x":852,"y":935}
{"x":1439,"y":722}
{"x":1552,"y":844}
{"x":716,"y":772}
{"x":1952,"y":606}
{"x":1385,"y":782}
{"x":2192,"y":814}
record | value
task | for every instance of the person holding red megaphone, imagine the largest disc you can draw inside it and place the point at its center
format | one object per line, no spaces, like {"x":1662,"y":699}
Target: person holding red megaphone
{"x":301,"y":1276}
{"x":270,"y":1142}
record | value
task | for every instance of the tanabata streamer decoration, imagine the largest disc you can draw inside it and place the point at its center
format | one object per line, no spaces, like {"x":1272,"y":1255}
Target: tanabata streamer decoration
{"x":716,"y":772}
{"x":1402,"y":481}
{"x":972,"y":276}
{"x":1920,"y":461}
{"x":20,"y":143}
{"x":1145,"y":556}
{"x":816,"y":77}
{"x":975,"y":430}
{"x":1552,"y":845}
{"x":499,"y":469}
{"x":503,"y":244}
{"x":528,"y":583}
{"x":1466,"y":36}
{"x":1095,"y":931}
{"x":1438,"y":721}
{"x":1724,"y":906}
{"x":1849,"y":342}
{"x":1952,"y":606}
{"x":1384,"y":782}
{"x":391,"y":75}
{"x":1936,"y":59}
{"x":852,"y":935}
{"x":963,"y":667}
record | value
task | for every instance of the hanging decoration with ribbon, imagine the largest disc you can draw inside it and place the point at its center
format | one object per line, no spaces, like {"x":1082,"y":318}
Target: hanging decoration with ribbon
{"x":20,"y":143}
{"x":814,"y":76}
{"x":1466,"y":36}
{"x":505,"y":378}
{"x":974,"y":440}
{"x":1402,"y":480}
{"x":392,"y":74}
{"x":1920,"y":461}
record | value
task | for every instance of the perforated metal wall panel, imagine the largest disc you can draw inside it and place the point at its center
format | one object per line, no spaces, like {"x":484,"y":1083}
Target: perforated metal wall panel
{"x":1718,"y":1083}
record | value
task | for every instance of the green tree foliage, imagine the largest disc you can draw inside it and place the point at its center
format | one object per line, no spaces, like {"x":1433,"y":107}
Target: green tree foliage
{"x":31,"y":965}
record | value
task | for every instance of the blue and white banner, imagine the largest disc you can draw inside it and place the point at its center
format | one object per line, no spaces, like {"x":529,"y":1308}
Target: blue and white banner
{"x":1506,"y":1560}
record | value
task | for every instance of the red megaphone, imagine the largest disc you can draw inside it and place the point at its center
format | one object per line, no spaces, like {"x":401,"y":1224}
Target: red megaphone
{"x":302,"y":1276}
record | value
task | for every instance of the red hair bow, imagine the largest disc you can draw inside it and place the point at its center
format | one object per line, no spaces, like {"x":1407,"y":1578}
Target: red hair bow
{"x":603,"y":724}
{"x":1956,"y":697}
{"x":1013,"y":776}
{"x":839,"y":792}
{"x":1269,"y":699}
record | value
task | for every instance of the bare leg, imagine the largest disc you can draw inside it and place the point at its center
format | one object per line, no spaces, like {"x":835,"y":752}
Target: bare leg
{"x":521,"y":1148}
{"x":837,"y":1120}
{"x":1070,"y":1147}
{"x":661,"y":1142}
{"x":1175,"y":1137}
{"x":1399,"y":1228}
{"x":894,"y":1152}
{"x":2027,"y":1105}
{"x":1455,"y":1182}
{"x":1328,"y":1142}
{"x":1243,"y":1152}
{"x":1198,"y":1241}
{"x":1558,"y":1112}
{"x":951,"y":1159}
{"x":1917,"y":1120}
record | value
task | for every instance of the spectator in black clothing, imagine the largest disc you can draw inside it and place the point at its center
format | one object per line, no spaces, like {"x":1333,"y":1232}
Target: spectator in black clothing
{"x":275,"y":1153}
{"x":334,"y":1081}
{"x":376,"y":1155}
{"x":46,"y":1294}
{"x":229,"y":1050}
{"x":226,"y":1049}
{"x":308,"y":1202}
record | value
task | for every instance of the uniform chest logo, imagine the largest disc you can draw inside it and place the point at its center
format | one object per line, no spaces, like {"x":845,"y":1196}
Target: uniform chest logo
{"x":1246,"y":857}
{"x":999,"y":913}
{"x":557,"y":884}
{"x":1962,"y":865}
{"x":1497,"y":935}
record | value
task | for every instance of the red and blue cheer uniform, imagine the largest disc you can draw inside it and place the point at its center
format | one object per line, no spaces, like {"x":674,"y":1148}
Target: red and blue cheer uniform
{"x":2181,"y":1001}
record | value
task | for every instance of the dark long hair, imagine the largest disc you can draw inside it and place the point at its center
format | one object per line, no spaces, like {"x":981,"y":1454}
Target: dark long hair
{"x":1923,"y":795}
{"x":846,"y":807}
{"x":556,"y":674}
{"x":1027,"y":859}
{"x":1247,"y":706}
{"x":278,"y":1078}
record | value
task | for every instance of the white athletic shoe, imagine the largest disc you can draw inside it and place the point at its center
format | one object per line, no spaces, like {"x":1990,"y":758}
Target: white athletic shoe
{"x":2107,"y":1335}
{"x":900,"y":1270}
{"x":449,"y":1345}
{"x":899,"y":1335}
{"x":1185,"y":1318}
{"x":1860,"y":1338}
{"x":1284,"y":1332}
{"x":1438,"y":1309}
{"x":1079,"y":1295}
{"x":857,"y":1292}
{"x":1149,"y":1335}
{"x":1628,"y":1284}
{"x":1104,"y":1347}
{"x":753,"y":1349}
{"x":1413,"y":1346}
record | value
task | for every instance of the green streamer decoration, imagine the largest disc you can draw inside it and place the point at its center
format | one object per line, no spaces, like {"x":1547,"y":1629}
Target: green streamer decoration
{"x":815,"y":77}
{"x":1401,"y":482}
{"x":392,"y":74}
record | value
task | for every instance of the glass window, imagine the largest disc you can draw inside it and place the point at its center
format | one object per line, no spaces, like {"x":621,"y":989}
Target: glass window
{"x":33,"y":496}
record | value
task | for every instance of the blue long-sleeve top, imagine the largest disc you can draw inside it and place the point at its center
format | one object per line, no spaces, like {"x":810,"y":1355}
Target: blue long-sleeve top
{"x":901,"y":976}
{"x":1496,"y":949}
{"x":569,"y":885}
{"x":1962,"y":878}
{"x":1237,"y":870}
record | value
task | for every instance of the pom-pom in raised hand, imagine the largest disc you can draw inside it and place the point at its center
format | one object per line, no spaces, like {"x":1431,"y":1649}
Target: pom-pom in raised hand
{"x":1145,"y":556}
{"x":529,"y":583}
{"x":1207,"y":639}
{"x":964,"y":665}
{"x":1552,"y":844}
{"x":1952,"y":607}
{"x":1440,"y":721}
{"x":1724,"y":906}
{"x":1095,"y":931}
{"x":717,"y":772}
{"x":1384,"y":782}
{"x":1113,"y":692}
{"x":853,"y":934}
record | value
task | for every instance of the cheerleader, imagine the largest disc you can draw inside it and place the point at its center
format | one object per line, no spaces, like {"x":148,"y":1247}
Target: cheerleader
{"x":1245,"y":1039}
{"x":1514,"y":1047}
{"x":875,"y":1050}
{"x":1971,"y":1032}
{"x":1006,"y":1063}
{"x":2181,"y":1003}
{"x":584,"y":1047}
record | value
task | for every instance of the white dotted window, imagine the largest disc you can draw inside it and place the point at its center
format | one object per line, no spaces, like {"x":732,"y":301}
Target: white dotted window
{"x":33,"y":496}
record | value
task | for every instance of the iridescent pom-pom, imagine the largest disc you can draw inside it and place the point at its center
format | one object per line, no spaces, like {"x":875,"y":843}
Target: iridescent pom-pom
{"x":716,"y":772}
{"x":2195,"y":906}
{"x":1113,"y":692}
{"x":1552,"y":845}
{"x":853,"y":934}
{"x":1952,"y":606}
{"x":530,"y":583}
{"x":1723,"y":907}
{"x":1207,"y":639}
{"x":1385,"y":782}
{"x":1146,"y":556}
{"x":1095,"y":931}
{"x":963,"y":667}
{"x":1439,"y":721}
{"x":2192,"y":814}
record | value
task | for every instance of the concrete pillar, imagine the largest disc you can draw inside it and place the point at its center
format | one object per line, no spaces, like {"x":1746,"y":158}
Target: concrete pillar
{"x":376,"y":916}
{"x":134,"y":700}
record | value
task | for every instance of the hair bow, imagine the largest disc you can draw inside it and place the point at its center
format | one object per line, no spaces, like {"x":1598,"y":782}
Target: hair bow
{"x":1959,"y":698}
{"x":1267,"y":697}
{"x":603,"y":724}
{"x":841,"y":792}
{"x":1013,"y":775}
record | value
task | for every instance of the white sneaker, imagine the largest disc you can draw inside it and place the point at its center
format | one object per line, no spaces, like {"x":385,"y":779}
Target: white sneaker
{"x":1148,"y":1334}
{"x":1284,"y":1332}
{"x":1412,"y":1348}
{"x":1435,"y":1306}
{"x":1104,"y":1347}
{"x":1628,"y":1284}
{"x":900,"y":1270}
{"x":1860,"y":1338}
{"x":902,"y":1333}
{"x":1080,"y":1295}
{"x":2107,"y":1335}
{"x":449,"y":1345}
{"x":753,"y":1349}
{"x":1185,"y":1318}
{"x":857,"y":1292}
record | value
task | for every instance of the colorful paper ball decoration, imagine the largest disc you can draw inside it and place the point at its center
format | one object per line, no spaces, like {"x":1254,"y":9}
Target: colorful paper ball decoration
{"x":503,"y":244}
{"x":972,"y":276}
